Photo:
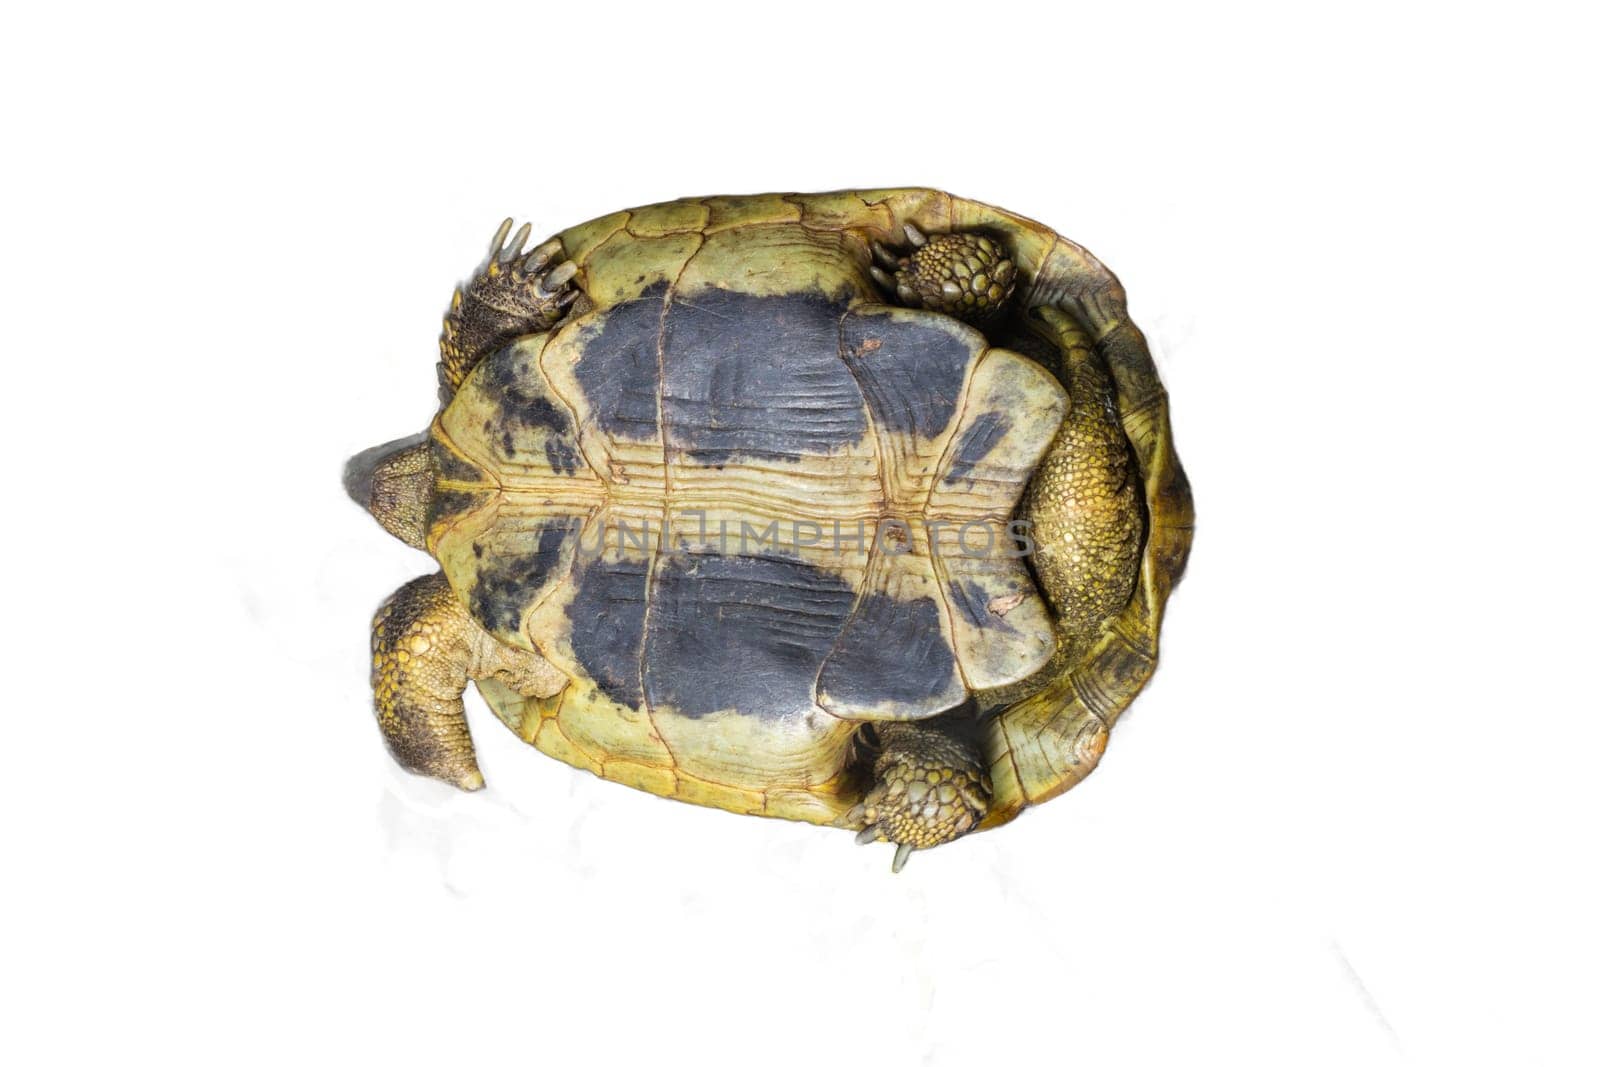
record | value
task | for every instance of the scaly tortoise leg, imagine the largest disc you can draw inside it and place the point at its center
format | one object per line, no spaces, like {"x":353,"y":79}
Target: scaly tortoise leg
{"x":425,"y":647}
{"x":1082,"y":507}
{"x":511,"y":294}
{"x":930,"y":786}
{"x":967,"y":275}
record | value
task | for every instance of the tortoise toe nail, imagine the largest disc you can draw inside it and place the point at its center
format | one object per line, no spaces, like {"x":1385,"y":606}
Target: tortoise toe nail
{"x":514,"y":249}
{"x":558,"y":277}
{"x":541,"y":255}
{"x":499,"y":240}
{"x":901,"y":854}
{"x":914,"y":236}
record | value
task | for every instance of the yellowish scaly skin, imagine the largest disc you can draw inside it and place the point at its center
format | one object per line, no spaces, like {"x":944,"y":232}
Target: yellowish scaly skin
{"x":1084,"y":510}
{"x":1084,"y":506}
{"x":425,"y":647}
{"x":966,"y":275}
{"x":930,"y":788}
{"x":1111,"y":509}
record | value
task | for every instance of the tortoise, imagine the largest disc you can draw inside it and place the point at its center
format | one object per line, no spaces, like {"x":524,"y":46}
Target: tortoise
{"x":857,"y":508}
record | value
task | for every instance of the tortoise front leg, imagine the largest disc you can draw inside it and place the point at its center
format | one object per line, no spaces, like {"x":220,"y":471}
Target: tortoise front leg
{"x":425,"y":647}
{"x":510,"y":295}
{"x":966,"y":275}
{"x":930,"y":786}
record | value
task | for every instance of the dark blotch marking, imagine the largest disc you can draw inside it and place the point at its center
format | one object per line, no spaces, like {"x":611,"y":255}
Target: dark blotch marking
{"x":450,"y":467}
{"x":620,"y":371}
{"x":894,"y":652}
{"x":975,"y":443}
{"x":607,"y":614}
{"x":758,"y":377}
{"x":518,"y":388}
{"x":911,"y":373}
{"x":509,"y":582}
{"x":741,"y":633}
{"x":446,"y":504}
{"x":561,"y":456}
{"x":972,"y":601}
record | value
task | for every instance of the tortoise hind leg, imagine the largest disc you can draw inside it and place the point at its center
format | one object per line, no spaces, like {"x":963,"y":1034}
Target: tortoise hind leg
{"x":425,"y":647}
{"x":929,"y":785}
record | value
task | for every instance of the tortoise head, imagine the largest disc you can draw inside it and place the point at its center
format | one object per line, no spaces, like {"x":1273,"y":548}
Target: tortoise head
{"x":394,"y":481}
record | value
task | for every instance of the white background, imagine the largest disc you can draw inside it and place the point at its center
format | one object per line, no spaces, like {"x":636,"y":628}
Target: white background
{"x":1351,"y":821}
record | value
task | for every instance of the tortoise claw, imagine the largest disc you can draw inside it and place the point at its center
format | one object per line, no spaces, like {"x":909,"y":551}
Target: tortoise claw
{"x":498,"y":242}
{"x":914,"y":236}
{"x":901,"y":854}
{"x":536,"y":260}
{"x":514,"y":249}
{"x":886,"y":256}
{"x":929,"y":788}
{"x":551,"y":283}
{"x":882,"y":278}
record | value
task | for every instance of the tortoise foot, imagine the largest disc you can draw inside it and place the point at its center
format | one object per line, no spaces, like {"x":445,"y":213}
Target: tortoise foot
{"x":966,"y":275}
{"x":511,"y":295}
{"x":425,"y":646}
{"x":930,"y":788}
{"x":419,"y":657}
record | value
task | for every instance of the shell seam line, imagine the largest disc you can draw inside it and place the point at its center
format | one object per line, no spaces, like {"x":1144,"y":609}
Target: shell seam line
{"x":869,"y":567}
{"x":1011,"y":758}
{"x":941,"y":575}
{"x":666,"y":501}
{"x":572,"y":410}
{"x":491,"y":506}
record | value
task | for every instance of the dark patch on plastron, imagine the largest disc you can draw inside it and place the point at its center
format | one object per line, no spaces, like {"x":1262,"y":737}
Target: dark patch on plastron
{"x":975,"y":444}
{"x":972,"y":601}
{"x":517,"y":386}
{"x":607,"y":614}
{"x":758,"y":377}
{"x":912,"y":373}
{"x":620,"y":371}
{"x":741,"y":633}
{"x":449,"y":467}
{"x":509,"y":583}
{"x":445,"y":505}
{"x":893,"y":652}
{"x":561,"y":456}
